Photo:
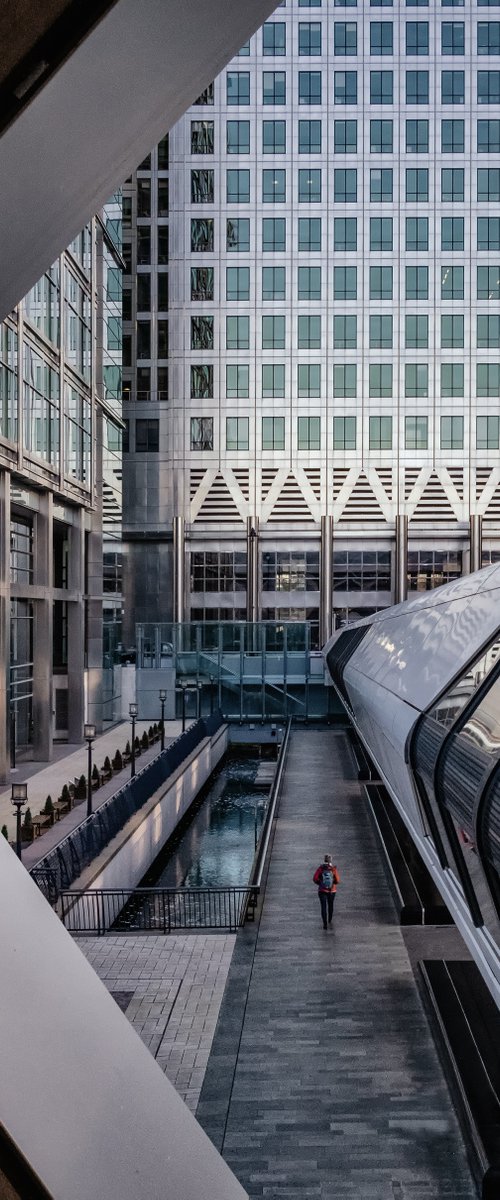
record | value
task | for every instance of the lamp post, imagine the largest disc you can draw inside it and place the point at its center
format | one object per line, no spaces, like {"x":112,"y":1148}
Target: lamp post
{"x":183,"y":693}
{"x":89,"y":732}
{"x":211,"y":695}
{"x":132,"y":709}
{"x":199,"y":689}
{"x":18,"y":799}
{"x":163,"y":697}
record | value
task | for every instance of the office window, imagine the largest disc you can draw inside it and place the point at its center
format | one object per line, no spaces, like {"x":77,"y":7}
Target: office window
{"x":452,"y":233}
{"x":273,"y":283}
{"x":309,"y":3}
{"x":417,"y":233}
{"x":147,"y":436}
{"x":381,"y":87}
{"x":237,"y":283}
{"x":488,"y":87}
{"x":273,"y":185}
{"x":206,"y":97}
{"x":162,"y":291}
{"x":274,"y":38}
{"x":417,"y":137}
{"x":452,"y":87}
{"x":202,"y":235}
{"x":417,"y":87}
{"x":452,"y":433}
{"x":361,"y":571}
{"x":344,"y":379}
{"x":202,"y":187}
{"x":381,"y":185}
{"x":488,"y":233}
{"x":488,"y":283}
{"x":273,"y":137}
{"x":488,"y":183}
{"x":452,"y":184}
{"x":238,"y":87}
{"x":309,"y":333}
{"x":452,"y":331}
{"x":238,"y":137}
{"x":345,"y":283}
{"x":431,"y":568}
{"x":273,"y":333}
{"x":488,"y":332}
{"x":143,"y":339}
{"x":380,"y":433}
{"x":202,"y":283}
{"x":488,"y":37}
{"x":202,"y":382}
{"x":309,"y":229}
{"x":273,"y":433}
{"x":453,"y":37}
{"x":345,"y":38}
{"x":309,"y":87}
{"x":309,"y":379}
{"x":452,"y":136}
{"x":417,"y":3}
{"x":143,"y":197}
{"x":237,"y":186}
{"x":416,"y":331}
{"x":345,"y":185}
{"x":381,"y":233}
{"x":417,"y":283}
{"x":381,"y":39}
{"x":416,"y":433}
{"x":345,"y":332}
{"x":345,"y":87}
{"x":237,"y":333}
{"x":309,"y":37}
{"x":143,"y":245}
{"x":380,"y":331}
{"x":202,"y":137}
{"x":273,"y":380}
{"x":452,"y":379}
{"x":273,"y":234}
{"x":238,"y":234}
{"x":345,"y":137}
{"x":162,"y":339}
{"x":417,"y":37}
{"x":488,"y":136}
{"x":452,"y":283}
{"x":380,"y":379}
{"x":380,"y":283}
{"x":309,"y":283}
{"x":273,"y":87}
{"x":487,"y":433}
{"x":202,"y":333}
{"x":345,"y":235}
{"x":416,"y":379}
{"x":344,"y":433}
{"x":381,"y":137}
{"x":488,"y":379}
{"x":309,"y":137}
{"x":236,"y":433}
{"x":244,"y":51}
{"x":309,"y":185}
{"x":237,"y":381}
{"x":308,"y":433}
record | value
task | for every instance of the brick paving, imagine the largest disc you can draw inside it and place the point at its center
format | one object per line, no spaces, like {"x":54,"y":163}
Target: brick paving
{"x":170,"y":989}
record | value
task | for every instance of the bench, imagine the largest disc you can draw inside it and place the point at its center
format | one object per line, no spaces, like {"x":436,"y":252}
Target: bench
{"x":41,"y":822}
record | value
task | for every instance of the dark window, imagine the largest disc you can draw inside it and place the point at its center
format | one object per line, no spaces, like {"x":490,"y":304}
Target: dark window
{"x":147,"y":436}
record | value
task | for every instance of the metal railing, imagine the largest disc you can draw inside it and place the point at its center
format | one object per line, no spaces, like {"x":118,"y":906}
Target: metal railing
{"x":274,"y":795}
{"x":56,"y":872}
{"x":154,"y":910}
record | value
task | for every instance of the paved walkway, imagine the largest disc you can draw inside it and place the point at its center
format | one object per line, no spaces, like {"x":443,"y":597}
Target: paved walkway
{"x":324,"y":1081}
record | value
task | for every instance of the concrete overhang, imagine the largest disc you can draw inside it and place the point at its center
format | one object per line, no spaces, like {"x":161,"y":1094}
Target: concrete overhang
{"x":83,"y":129}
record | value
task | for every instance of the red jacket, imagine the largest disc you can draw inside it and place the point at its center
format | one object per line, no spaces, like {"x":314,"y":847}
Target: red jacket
{"x":317,"y":877}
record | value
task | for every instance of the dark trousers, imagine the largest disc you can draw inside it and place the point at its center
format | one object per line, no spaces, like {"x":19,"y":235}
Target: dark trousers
{"x":326,"y":900}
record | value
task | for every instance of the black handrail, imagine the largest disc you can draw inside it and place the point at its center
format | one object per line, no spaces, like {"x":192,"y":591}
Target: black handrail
{"x":154,"y":910}
{"x":274,"y":795}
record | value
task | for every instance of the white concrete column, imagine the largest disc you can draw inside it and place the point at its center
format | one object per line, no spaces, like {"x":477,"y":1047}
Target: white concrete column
{"x":179,"y":603}
{"x":4,"y":625}
{"x":401,"y":559}
{"x":476,"y":542}
{"x":326,"y":579}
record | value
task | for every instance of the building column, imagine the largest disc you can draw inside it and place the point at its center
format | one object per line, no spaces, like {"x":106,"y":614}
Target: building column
{"x":4,"y":625}
{"x":476,"y":542}
{"x":401,"y":562}
{"x":76,"y":629}
{"x":179,"y":570}
{"x":326,"y":580}
{"x":253,"y":606}
{"x":43,"y":697}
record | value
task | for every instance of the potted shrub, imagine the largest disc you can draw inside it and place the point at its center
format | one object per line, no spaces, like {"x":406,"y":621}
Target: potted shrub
{"x":117,"y":761}
{"x":5,"y":832}
{"x":96,"y":779}
{"x":81,"y":788}
{"x":144,"y":741}
{"x":137,"y":746}
{"x":66,"y":795}
{"x":107,"y":768}
{"x":27,"y":826}
{"x":48,"y":809}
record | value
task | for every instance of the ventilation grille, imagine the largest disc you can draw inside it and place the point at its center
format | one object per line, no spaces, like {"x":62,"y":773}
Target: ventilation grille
{"x":218,"y":505}
{"x":362,"y":504}
{"x":385,"y":476}
{"x":291,"y":505}
{"x":314,"y":480}
{"x":457,"y":478}
{"x":339,"y":478}
{"x":411,"y":476}
{"x":195,"y":478}
{"x":492,"y":512}
{"x":243,"y":480}
{"x":434,"y":504}
{"x":268,"y":477}
{"x":482,"y":478}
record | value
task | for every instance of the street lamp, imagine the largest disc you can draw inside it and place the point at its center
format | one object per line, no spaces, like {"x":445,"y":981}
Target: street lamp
{"x":132,"y":709}
{"x":89,"y":732}
{"x":199,"y":689}
{"x":212,"y":695}
{"x":183,"y":693}
{"x":163,"y":697}
{"x":18,"y":799}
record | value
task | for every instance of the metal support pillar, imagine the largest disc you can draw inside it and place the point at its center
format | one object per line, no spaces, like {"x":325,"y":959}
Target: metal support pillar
{"x":476,"y":542}
{"x":179,"y":570}
{"x":326,"y":579}
{"x":401,"y":561}
{"x":252,"y":568}
{"x":6,"y":728}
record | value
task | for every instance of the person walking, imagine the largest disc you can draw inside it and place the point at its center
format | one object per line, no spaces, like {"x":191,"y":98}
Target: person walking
{"x":326,"y":877}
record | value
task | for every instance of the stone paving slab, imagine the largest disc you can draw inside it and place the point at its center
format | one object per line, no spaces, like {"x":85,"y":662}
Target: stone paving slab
{"x":326,"y":1082}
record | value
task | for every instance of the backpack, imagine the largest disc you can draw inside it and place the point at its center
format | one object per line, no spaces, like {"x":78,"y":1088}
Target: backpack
{"x":326,"y":877}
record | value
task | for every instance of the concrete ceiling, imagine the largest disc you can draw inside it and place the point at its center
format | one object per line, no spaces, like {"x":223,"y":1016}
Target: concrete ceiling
{"x":85,"y":124}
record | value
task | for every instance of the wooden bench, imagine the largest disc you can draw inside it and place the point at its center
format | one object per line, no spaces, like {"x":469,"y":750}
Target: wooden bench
{"x":41,"y":822}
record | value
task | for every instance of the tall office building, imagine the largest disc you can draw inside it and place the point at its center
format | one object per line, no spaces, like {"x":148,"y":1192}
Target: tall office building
{"x":317,"y":268}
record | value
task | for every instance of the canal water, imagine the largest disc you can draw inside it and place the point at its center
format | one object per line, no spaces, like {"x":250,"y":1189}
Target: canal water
{"x":215,"y":844}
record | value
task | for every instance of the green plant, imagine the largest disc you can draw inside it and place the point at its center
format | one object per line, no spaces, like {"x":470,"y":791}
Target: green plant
{"x":155,"y":729}
{"x":127,"y":749}
{"x":48,"y":807}
{"x":151,"y":733}
{"x":107,"y":764}
{"x":137,"y":746}
{"x":5,"y":832}
{"x":28,"y":822}
{"x":96,"y":779}
{"x":117,"y":761}
{"x":81,"y":788}
{"x":144,"y":741}
{"x":65,"y":794}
